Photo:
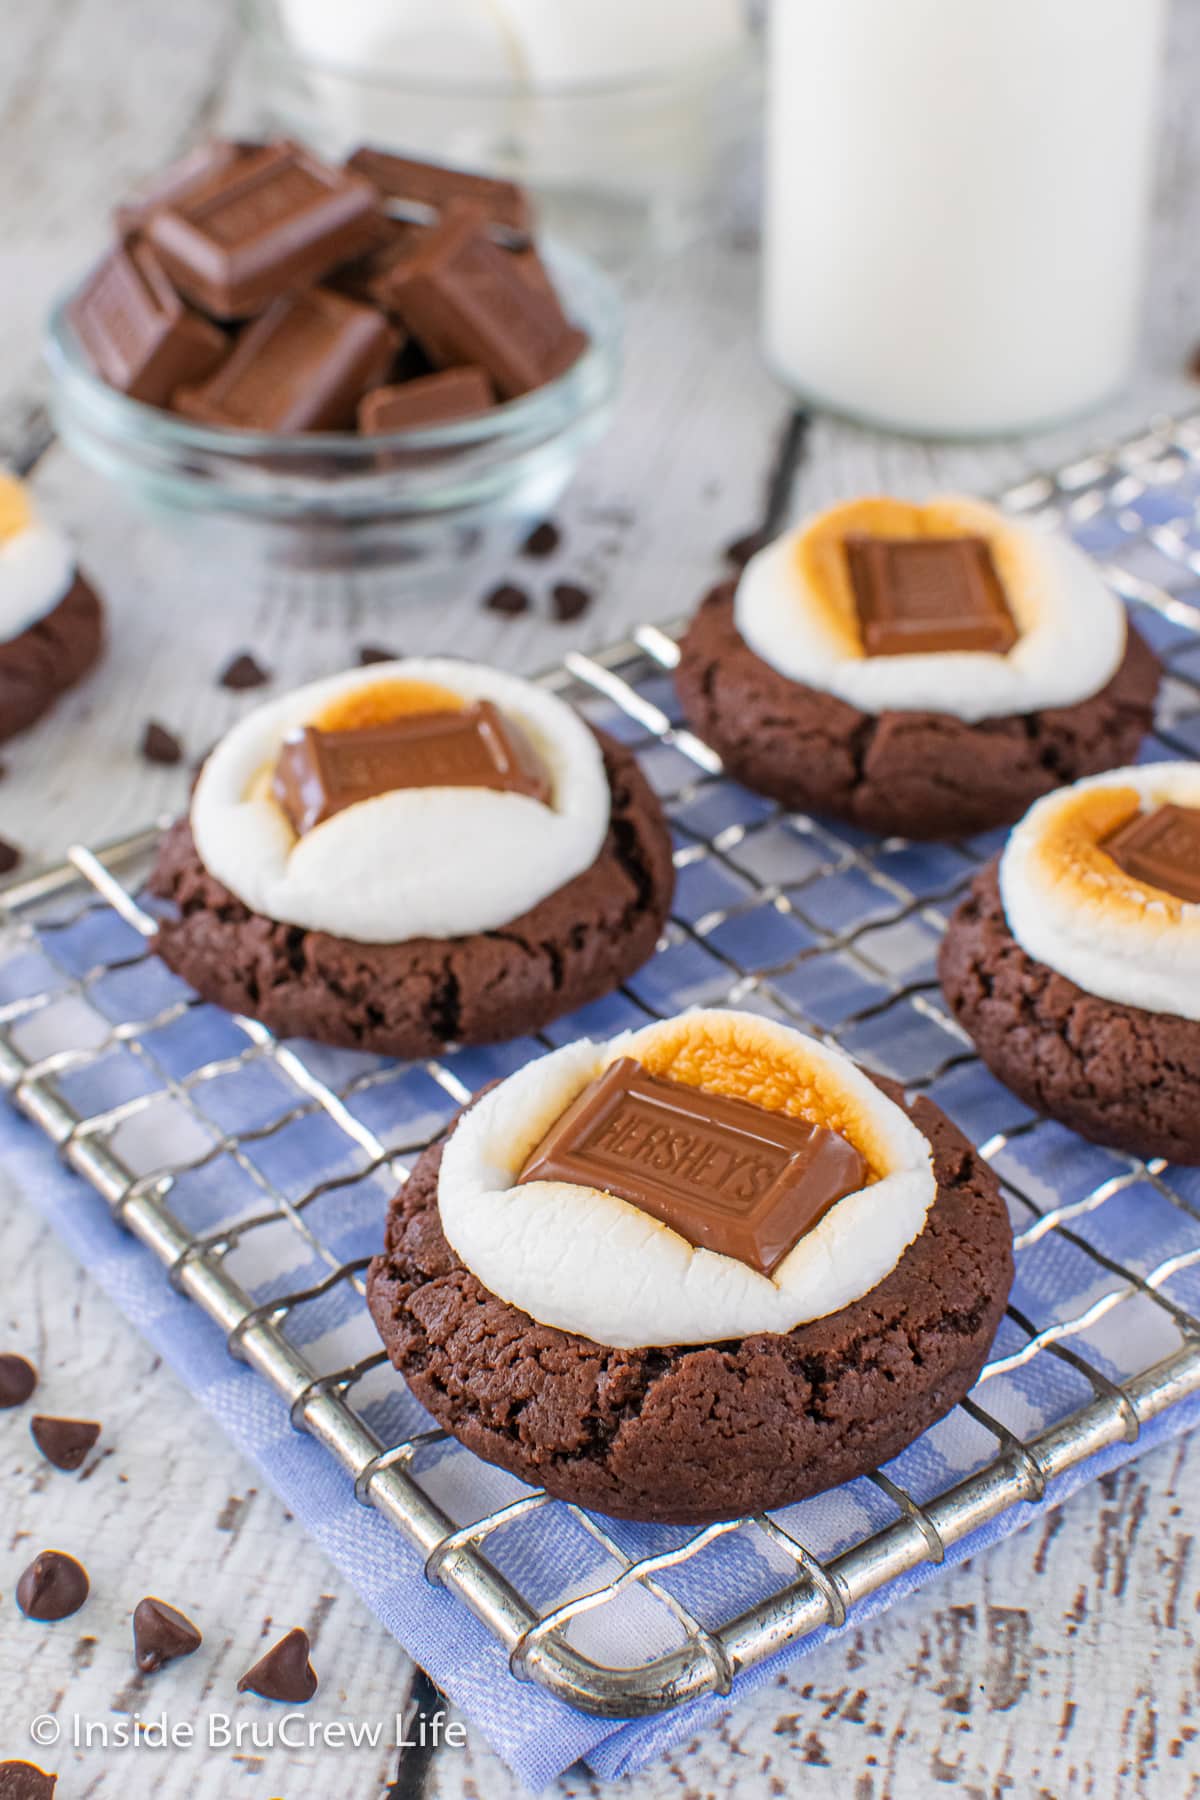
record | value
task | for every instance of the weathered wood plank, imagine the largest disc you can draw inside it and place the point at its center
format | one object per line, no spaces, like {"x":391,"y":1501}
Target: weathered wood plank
{"x":164,"y":1506}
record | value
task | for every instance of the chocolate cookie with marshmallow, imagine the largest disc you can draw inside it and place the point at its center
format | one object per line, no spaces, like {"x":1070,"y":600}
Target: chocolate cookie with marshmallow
{"x":1074,"y":963}
{"x":411,"y":855}
{"x":705,"y":1268}
{"x":51,"y":619}
{"x":918,"y":670}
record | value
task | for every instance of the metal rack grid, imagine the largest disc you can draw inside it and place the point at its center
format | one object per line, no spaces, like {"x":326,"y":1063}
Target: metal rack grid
{"x":808,"y":921}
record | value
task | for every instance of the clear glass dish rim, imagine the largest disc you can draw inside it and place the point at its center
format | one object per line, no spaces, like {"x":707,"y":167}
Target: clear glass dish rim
{"x":697,"y":72}
{"x":568,"y":394}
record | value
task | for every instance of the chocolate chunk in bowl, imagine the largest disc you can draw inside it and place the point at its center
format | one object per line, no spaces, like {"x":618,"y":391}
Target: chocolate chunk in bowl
{"x":303,"y":366}
{"x":350,"y":387}
{"x":266,"y":224}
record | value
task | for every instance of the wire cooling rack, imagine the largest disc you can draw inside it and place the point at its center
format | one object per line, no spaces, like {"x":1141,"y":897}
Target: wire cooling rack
{"x":257,"y":1172}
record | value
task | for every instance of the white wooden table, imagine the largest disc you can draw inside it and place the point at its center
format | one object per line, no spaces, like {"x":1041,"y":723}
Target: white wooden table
{"x":1063,"y":1664}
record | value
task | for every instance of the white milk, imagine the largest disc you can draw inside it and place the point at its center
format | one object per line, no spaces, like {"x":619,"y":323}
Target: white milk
{"x":541,"y":44}
{"x":957,"y":194}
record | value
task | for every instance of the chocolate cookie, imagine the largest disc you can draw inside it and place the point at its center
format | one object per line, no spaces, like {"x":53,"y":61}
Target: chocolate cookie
{"x":414,"y":998}
{"x":49,"y":657}
{"x":1113,"y":1073}
{"x":915,"y":774}
{"x":690,"y":1434}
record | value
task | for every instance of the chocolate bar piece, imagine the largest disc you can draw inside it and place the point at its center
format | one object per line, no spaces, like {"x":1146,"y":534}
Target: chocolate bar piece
{"x":430,"y":400}
{"x":431,"y":188}
{"x":304,"y":366}
{"x":725,"y":1174}
{"x":917,"y":595}
{"x":534,"y":270}
{"x":320,"y":773}
{"x":466,"y":303}
{"x":1162,"y":849}
{"x":186,"y":175}
{"x":397,"y":240}
{"x":137,"y":332}
{"x":274,"y":220}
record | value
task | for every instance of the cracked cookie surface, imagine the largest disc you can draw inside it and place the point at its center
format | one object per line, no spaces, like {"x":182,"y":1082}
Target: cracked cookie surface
{"x":1115,"y":1074}
{"x":918,"y":774}
{"x":690,"y":1434}
{"x":50,"y":656}
{"x":411,"y":999}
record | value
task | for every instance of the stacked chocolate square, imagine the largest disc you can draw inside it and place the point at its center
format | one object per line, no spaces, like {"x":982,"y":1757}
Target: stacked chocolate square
{"x":254,"y":286}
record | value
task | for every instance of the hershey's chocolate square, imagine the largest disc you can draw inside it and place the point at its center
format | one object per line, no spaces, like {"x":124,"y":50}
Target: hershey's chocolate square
{"x":467,"y":302}
{"x":431,"y":186}
{"x":320,"y":773}
{"x":136,"y":330}
{"x":272,"y":221}
{"x":303,"y":366}
{"x":920,"y":595}
{"x":1161,"y":848}
{"x":726,"y":1175}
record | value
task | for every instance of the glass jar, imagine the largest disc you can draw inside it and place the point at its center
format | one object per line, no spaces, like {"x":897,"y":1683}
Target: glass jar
{"x":429,"y":500}
{"x":956,"y":208}
{"x":620,"y":164}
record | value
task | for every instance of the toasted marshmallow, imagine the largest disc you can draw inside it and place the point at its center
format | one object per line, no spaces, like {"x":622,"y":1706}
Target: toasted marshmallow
{"x":795,"y":608}
{"x":583,"y":1260}
{"x":1070,"y":907}
{"x":417,"y":862}
{"x":37,"y":561}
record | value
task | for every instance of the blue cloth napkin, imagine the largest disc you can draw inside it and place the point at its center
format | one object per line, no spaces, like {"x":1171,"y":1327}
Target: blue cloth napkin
{"x":532,"y":1732}
{"x":535,"y":1734}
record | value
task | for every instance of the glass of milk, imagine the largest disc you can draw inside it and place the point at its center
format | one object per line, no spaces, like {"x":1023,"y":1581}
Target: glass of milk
{"x":956,"y":206}
{"x":626,"y":117}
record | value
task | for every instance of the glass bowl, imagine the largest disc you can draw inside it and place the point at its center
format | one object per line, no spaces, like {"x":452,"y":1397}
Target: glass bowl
{"x":430,"y":499}
{"x":623,"y":168}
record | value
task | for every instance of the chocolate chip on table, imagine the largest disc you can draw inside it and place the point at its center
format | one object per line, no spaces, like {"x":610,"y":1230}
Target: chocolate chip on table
{"x":63,"y":1442}
{"x":284,"y":1673}
{"x":53,"y":1587}
{"x":161,"y":1634}
{"x":18,"y":1378}
{"x":160,"y":745}
{"x":242,"y":672}
{"x":375,"y":653}
{"x":543,"y":540}
{"x":569,"y":601}
{"x":508,"y":600}
{"x":1193,"y":367}
{"x":10,"y":857}
{"x":25,"y":1781}
{"x":743,"y":548}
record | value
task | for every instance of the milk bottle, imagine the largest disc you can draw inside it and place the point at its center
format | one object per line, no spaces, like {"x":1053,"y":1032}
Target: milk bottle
{"x":957,"y":195}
